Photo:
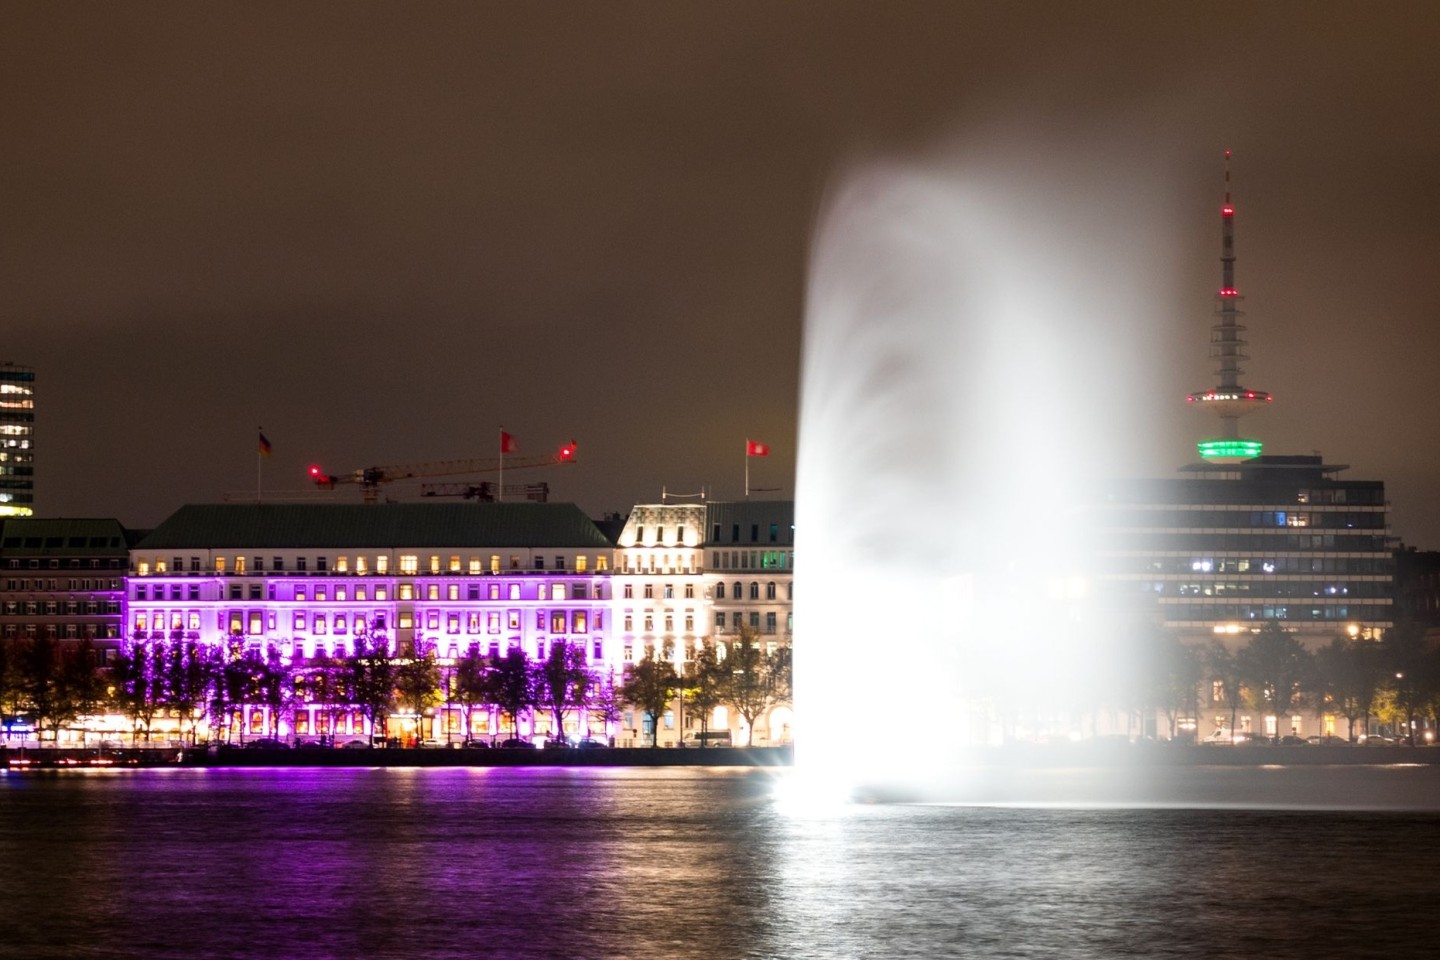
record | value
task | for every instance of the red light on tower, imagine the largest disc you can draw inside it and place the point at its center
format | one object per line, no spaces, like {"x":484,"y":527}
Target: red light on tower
{"x":1227,"y":211}
{"x":567,"y":452}
{"x":314,"y":471}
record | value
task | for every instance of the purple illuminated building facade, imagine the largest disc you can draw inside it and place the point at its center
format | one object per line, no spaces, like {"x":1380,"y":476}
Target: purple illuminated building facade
{"x":305,"y":581}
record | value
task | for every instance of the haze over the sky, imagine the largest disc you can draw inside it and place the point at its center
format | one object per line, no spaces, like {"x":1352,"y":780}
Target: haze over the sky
{"x":381,"y":231}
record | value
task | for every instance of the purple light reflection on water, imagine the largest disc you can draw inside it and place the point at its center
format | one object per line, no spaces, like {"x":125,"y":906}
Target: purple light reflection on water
{"x":535,"y":862}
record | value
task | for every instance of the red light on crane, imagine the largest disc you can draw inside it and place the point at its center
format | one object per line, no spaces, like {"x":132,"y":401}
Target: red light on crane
{"x":322,"y":479}
{"x":1227,"y":211}
{"x":567,"y":452}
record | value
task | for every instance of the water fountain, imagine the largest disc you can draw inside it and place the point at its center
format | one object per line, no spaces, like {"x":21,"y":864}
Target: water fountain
{"x":965,"y":374}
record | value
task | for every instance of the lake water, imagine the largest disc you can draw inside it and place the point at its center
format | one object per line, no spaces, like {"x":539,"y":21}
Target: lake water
{"x":703,"y":862}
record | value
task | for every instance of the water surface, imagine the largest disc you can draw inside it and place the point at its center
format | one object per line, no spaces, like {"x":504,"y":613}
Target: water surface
{"x":425,"y":863}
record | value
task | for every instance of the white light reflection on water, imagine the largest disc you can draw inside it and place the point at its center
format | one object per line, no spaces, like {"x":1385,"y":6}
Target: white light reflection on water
{"x":967,"y":369}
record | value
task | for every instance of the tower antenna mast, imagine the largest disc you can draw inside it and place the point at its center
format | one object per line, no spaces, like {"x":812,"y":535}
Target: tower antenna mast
{"x":1229,"y":401}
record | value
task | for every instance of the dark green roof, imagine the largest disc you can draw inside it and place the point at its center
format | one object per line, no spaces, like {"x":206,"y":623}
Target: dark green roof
{"x":62,"y":537}
{"x":354,"y":526}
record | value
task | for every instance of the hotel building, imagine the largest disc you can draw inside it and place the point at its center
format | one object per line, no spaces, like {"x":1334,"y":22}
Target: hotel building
{"x":307,"y":580}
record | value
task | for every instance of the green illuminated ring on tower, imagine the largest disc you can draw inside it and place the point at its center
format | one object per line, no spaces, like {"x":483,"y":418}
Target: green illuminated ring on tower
{"x":1229,"y":449}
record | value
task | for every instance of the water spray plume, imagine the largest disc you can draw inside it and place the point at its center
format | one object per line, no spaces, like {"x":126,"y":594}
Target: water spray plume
{"x":961,"y":384}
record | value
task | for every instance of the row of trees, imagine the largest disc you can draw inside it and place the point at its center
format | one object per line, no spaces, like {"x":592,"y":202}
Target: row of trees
{"x":1395,"y":680}
{"x":54,"y":684}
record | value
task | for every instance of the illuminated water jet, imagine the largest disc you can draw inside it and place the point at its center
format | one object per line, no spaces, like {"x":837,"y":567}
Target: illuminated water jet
{"x":965,"y":371}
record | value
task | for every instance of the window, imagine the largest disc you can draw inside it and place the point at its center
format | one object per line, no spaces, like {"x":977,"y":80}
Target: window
{"x":300,"y":564}
{"x":628,"y":591}
{"x":492,"y":621}
{"x":579,"y":622}
{"x":360,"y":567}
{"x":254,"y":591}
{"x":322,"y":564}
{"x":454,"y":563}
{"x":557,"y":621}
{"x":719,"y":591}
{"x":240,"y":565}
{"x":434,"y":563}
{"x":557,"y":591}
{"x":407,"y":592}
{"x":689,"y":622}
{"x":539,"y":562}
{"x":409,"y":565}
{"x":277,"y":564}
{"x":689,"y":591}
{"x":770,"y":622}
{"x":452,"y":623}
{"x":452,"y":591}
{"x":474,"y":567}
{"x":382,"y":564}
{"x":432,"y":620}
{"x":342,"y":564}
{"x":755,"y":621}
{"x":319,"y":625}
{"x":649,"y":591}
{"x":219,"y":565}
{"x":754,"y":590}
{"x":494,"y":563}
{"x":559,"y":562}
{"x":299,"y":621}
{"x":669,"y":591}
{"x":581,"y":564}
{"x":770,"y":590}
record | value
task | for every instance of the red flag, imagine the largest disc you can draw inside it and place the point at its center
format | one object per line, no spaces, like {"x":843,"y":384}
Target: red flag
{"x":508,"y":443}
{"x":754,"y":448}
{"x":264,"y":446}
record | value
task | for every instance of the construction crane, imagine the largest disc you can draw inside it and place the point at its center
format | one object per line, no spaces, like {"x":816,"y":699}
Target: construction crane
{"x":485,"y":491}
{"x":371,"y":479}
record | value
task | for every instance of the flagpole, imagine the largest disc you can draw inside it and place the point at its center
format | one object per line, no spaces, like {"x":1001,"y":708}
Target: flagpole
{"x":747,"y":468}
{"x":259,"y":465}
{"x":500,"y":484}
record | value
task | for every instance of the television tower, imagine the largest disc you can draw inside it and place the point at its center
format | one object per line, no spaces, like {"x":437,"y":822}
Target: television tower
{"x":1229,"y":401}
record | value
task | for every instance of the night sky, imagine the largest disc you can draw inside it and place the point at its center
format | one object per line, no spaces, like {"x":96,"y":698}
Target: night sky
{"x":380,"y":231}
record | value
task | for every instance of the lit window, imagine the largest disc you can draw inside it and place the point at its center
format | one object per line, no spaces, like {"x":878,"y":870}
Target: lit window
{"x":342,"y":564}
{"x":382,"y":564}
{"x":474,"y":565}
{"x":434,"y":563}
{"x":319,"y":625}
{"x":557,"y":591}
{"x":580,"y":564}
{"x":452,"y":591}
{"x":409,"y":565}
{"x":407,"y":592}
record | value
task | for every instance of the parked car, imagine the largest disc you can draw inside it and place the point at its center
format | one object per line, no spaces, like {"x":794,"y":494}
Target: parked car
{"x":477,"y":745}
{"x":355,"y":745}
{"x":1223,"y":737}
{"x":1377,"y":740}
{"x":266,"y":743}
{"x":588,"y":744}
{"x":556,"y":745}
{"x":516,"y":744}
{"x":309,"y":745}
{"x":1328,"y":741}
{"x":1290,"y":740}
{"x":430,"y":743}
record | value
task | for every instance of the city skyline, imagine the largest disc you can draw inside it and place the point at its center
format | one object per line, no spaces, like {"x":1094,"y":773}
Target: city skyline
{"x":383,"y":234}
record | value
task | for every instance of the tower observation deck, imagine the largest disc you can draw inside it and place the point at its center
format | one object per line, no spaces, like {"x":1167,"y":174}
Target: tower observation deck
{"x":1228,"y":400}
